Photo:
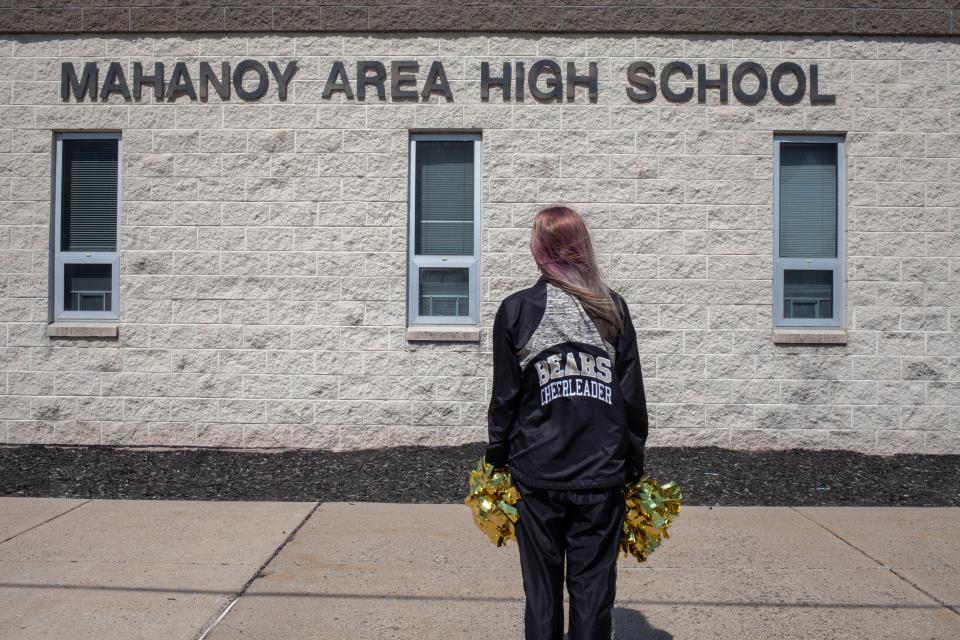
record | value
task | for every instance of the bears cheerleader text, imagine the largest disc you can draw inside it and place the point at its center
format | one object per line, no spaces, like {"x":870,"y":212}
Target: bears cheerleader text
{"x":574,"y":374}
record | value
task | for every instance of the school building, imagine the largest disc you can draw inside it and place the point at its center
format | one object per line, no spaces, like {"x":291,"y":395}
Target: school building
{"x":236,"y":224}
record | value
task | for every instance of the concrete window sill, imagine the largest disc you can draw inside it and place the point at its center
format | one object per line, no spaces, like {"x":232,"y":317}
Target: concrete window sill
{"x":810,"y":336}
{"x":83,"y":330}
{"x":443,"y":333}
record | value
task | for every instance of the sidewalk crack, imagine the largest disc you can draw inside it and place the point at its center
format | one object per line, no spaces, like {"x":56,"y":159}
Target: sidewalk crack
{"x":943,"y":604}
{"x":29,"y":529}
{"x":259,"y":573}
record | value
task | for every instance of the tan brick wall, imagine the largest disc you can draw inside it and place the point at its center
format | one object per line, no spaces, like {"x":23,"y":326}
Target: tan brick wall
{"x":264,"y":250}
{"x":873,"y":17}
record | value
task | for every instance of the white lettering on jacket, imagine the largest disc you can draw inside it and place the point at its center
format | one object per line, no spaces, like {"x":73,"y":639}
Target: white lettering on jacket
{"x":574,"y":374}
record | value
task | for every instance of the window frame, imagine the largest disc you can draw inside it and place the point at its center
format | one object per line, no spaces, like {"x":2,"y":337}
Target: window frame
{"x":837,"y":265}
{"x":415,"y":262}
{"x":63,"y":258}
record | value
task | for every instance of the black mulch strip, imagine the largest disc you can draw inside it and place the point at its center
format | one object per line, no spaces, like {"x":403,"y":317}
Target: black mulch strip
{"x":708,"y":475}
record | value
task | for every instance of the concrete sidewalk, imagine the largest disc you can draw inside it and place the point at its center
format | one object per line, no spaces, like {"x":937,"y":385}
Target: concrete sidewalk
{"x":254,"y":570}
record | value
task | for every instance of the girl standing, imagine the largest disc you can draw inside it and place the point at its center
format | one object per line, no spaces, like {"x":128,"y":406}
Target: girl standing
{"x":568,"y":418}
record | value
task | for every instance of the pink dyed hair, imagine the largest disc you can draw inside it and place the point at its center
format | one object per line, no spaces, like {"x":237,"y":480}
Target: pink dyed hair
{"x":561,"y":247}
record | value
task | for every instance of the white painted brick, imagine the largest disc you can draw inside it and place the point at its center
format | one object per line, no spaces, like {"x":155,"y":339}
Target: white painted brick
{"x":263,"y":273}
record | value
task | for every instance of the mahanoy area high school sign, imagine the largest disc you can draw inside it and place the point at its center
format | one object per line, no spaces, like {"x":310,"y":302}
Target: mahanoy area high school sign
{"x":401,"y":80}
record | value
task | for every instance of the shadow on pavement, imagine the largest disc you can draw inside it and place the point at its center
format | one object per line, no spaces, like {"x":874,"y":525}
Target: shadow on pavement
{"x":633,"y":625}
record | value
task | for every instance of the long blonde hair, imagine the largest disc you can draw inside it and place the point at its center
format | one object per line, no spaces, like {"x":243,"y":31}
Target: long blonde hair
{"x":561,"y":247}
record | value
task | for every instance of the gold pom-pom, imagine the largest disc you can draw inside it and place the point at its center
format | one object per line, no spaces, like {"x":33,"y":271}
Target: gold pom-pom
{"x":493,"y":499}
{"x":651,"y":507}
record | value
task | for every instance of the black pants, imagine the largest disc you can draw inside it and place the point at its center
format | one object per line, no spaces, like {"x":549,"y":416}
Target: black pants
{"x":584,"y":525}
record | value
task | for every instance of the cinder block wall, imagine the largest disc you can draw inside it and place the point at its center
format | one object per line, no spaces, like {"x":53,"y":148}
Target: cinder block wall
{"x":264,"y":246}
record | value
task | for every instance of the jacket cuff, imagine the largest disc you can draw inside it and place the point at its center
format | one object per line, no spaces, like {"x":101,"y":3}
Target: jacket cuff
{"x":634,"y":470}
{"x":496,"y":454}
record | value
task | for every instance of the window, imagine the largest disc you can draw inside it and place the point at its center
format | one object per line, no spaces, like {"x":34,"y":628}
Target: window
{"x":444,"y":228}
{"x":86,"y":233}
{"x":808,"y":229}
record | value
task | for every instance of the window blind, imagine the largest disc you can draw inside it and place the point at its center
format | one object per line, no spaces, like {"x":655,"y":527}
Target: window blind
{"x":808,"y":200}
{"x":88,"y":219}
{"x":444,"y":197}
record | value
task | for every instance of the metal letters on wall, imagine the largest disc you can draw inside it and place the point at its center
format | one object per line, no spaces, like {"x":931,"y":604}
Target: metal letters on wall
{"x":543,"y":81}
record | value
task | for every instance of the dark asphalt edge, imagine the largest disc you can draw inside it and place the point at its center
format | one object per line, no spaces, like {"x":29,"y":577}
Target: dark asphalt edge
{"x":708,"y":475}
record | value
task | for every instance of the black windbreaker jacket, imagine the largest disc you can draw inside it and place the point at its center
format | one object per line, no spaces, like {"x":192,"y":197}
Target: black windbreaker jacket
{"x":567,"y":409}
